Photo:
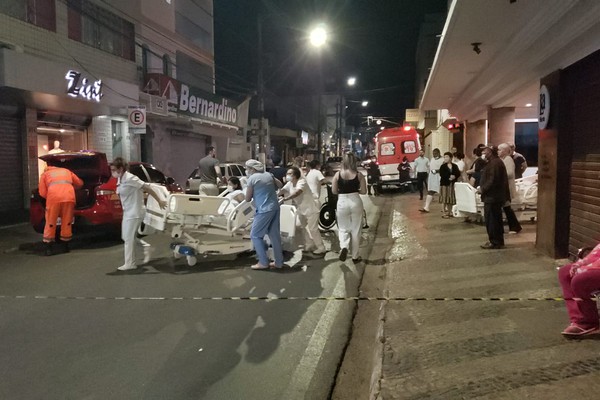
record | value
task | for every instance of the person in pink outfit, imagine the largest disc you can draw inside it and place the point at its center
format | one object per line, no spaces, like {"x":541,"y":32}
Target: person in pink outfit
{"x":580,"y":282}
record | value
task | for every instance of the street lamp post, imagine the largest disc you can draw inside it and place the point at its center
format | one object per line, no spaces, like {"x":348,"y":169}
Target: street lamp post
{"x":261,"y":97}
{"x":318,"y":38}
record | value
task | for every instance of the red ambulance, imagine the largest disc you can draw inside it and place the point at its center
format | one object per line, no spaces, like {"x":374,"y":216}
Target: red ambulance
{"x":391,"y":146}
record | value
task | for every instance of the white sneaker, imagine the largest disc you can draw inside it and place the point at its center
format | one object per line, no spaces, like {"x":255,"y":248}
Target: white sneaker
{"x":127,"y":267}
{"x":148,"y":254}
{"x":320,"y":252}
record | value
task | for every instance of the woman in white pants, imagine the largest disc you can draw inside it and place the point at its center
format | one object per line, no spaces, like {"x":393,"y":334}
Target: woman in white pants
{"x":349,"y":184}
{"x":131,"y":191}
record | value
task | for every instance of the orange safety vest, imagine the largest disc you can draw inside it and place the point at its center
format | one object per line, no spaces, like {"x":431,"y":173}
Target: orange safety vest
{"x":57,"y":185}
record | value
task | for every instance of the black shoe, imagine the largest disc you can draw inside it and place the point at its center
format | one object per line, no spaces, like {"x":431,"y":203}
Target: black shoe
{"x":343,"y":254}
{"x":66,"y":248}
{"x":48,"y":251}
{"x":489,"y":246}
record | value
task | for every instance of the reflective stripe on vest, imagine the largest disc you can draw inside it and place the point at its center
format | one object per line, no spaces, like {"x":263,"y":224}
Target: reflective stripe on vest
{"x":59,"y":182}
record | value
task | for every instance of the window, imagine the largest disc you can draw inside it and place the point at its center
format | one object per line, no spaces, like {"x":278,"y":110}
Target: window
{"x":138,"y":171}
{"x":194,"y":73}
{"x":235,"y":170}
{"x":167,"y":65}
{"x":101,"y":29}
{"x":156,"y":176}
{"x":387,"y":149}
{"x":409,"y":147}
{"x":41,"y":13}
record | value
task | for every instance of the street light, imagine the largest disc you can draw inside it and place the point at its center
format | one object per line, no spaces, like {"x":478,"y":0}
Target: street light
{"x":318,"y":36}
{"x":364,"y":103}
{"x":351,"y":81}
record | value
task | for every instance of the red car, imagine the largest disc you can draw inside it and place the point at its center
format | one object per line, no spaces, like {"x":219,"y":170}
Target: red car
{"x":97,"y":203}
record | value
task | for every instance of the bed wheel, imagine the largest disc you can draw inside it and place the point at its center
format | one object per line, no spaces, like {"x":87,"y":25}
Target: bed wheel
{"x":191,"y":260}
{"x":177,"y":255}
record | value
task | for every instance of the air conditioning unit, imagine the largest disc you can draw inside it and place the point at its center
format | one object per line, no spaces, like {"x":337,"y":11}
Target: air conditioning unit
{"x":11,"y":46}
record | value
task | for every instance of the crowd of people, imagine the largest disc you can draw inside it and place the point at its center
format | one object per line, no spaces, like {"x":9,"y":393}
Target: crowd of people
{"x":492,"y":172}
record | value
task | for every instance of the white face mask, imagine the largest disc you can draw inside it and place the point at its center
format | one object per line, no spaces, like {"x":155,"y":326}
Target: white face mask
{"x":288,"y":178}
{"x":248,"y":173}
{"x":115,"y":174}
{"x":483,"y":156}
{"x":230,"y":188}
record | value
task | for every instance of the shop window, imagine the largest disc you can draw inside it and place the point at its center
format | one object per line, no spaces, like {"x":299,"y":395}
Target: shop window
{"x":167,"y":65}
{"x":40,"y":13}
{"x":101,"y":29}
{"x":145,"y":54}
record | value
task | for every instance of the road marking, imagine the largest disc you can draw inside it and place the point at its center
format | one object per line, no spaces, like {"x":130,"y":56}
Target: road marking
{"x":304,"y":372}
{"x":306,"y":298}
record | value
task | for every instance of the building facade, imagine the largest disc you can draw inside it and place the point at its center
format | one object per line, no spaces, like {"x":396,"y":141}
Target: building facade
{"x":69,"y":71}
{"x":67,"y":74}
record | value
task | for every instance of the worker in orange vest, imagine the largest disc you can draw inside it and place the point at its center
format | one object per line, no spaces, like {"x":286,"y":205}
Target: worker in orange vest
{"x":57,"y":187}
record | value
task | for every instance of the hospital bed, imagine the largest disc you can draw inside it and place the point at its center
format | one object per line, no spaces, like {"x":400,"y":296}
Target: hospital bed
{"x":469,"y":204}
{"x":206,"y":225}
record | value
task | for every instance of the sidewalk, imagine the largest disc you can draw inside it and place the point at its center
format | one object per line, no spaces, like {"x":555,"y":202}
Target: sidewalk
{"x":463,"y":347}
{"x":13,"y":236}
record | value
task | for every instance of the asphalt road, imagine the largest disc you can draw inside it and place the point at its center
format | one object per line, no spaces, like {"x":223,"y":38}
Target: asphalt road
{"x":73,"y":328}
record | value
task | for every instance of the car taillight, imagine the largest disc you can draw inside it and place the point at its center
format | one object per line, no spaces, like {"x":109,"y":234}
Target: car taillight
{"x":104,"y":192}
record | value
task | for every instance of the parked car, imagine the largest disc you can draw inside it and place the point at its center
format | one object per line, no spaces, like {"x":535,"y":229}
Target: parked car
{"x":97,"y":203}
{"x":149,"y":173}
{"x":228,"y":170}
{"x":332,"y":165}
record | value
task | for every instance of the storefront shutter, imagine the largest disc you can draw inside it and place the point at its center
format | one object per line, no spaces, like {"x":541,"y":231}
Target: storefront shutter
{"x":11,"y":165}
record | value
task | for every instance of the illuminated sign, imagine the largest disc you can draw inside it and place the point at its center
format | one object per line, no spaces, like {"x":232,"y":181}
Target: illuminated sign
{"x":82,"y":87}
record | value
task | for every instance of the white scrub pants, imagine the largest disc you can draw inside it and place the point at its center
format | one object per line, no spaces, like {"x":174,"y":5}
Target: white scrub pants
{"x":310,"y":230}
{"x":349,"y":218}
{"x":129,"y":228}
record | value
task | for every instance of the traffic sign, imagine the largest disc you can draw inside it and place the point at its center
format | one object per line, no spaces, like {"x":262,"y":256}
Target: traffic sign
{"x":137,"y":119}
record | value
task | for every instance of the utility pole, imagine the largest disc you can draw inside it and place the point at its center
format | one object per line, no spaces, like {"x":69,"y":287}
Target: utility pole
{"x":261,"y":97}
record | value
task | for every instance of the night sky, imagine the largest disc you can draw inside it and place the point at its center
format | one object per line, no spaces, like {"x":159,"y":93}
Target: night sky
{"x":374,"y":40}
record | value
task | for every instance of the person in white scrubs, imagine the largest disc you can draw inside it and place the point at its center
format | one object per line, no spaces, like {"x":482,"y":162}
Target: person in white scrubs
{"x":315,"y":179}
{"x":297,"y":190}
{"x":131,"y":191}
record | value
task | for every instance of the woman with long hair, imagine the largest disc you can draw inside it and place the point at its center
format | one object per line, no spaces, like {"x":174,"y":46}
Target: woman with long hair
{"x":349,"y":184}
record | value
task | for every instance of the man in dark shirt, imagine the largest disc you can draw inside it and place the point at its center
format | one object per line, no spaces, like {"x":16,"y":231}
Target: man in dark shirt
{"x":209,"y":172}
{"x":520,"y":162}
{"x":494,"y":194}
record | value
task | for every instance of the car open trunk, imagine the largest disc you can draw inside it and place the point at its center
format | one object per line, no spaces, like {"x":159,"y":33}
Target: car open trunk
{"x":91,"y":167}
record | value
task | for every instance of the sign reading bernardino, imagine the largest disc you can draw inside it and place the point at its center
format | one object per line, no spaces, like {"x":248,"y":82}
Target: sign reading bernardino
{"x":187,"y":100}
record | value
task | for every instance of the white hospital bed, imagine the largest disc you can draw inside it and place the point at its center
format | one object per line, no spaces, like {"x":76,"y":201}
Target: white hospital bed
{"x":468,"y":201}
{"x":205,"y":225}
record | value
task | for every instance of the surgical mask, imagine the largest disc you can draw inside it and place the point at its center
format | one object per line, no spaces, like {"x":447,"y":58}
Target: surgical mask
{"x":288,"y":178}
{"x":230,"y":188}
{"x":247,"y":173}
{"x":115,"y":174}
{"x":483,"y":156}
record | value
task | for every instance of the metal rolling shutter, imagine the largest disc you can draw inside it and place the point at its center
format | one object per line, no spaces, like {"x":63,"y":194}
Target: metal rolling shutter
{"x":580,"y":103}
{"x":11,"y":165}
{"x":585,"y":202}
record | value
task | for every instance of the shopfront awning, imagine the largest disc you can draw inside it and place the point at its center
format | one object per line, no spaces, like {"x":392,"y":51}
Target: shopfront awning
{"x":518,"y":42}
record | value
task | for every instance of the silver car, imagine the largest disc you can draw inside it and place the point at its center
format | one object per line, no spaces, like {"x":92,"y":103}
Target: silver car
{"x":227,"y":170}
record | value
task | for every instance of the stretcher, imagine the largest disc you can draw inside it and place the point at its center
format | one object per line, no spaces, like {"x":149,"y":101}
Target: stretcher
{"x":469,"y":204}
{"x":207,"y":225}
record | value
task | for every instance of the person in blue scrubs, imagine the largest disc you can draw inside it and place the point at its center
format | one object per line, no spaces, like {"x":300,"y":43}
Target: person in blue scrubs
{"x":262,"y":189}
